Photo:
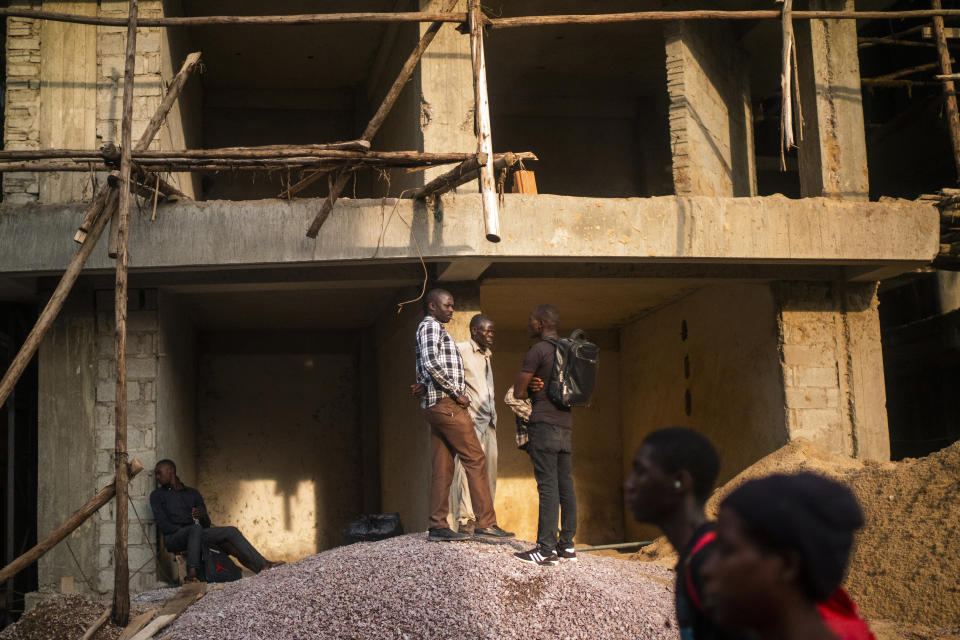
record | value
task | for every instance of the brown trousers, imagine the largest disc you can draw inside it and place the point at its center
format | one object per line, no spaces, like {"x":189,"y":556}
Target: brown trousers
{"x":452,"y":433}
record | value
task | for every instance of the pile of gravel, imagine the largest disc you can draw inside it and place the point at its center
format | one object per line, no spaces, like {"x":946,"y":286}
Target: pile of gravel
{"x":408,"y":588}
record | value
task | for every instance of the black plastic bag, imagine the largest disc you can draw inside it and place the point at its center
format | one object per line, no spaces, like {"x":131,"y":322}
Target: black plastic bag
{"x":218,"y":567}
{"x":372,"y":527}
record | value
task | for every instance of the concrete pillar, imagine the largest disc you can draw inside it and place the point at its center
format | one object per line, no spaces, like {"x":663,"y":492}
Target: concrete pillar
{"x":832,"y":367}
{"x":446,"y":92}
{"x":21,"y":126}
{"x":711,"y":121}
{"x":833,"y":152}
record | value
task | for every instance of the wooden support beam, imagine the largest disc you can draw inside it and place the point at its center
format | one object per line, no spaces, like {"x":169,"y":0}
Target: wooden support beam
{"x":79,"y":516}
{"x":488,"y":187}
{"x":406,"y":72}
{"x":95,"y":209}
{"x":949,"y":87}
{"x":55,"y":303}
{"x":467,"y":171}
{"x":902,"y":73}
{"x":202,"y":21}
{"x":865,"y":42}
{"x":99,"y":622}
{"x":173,"y":92}
{"x":121,"y":569}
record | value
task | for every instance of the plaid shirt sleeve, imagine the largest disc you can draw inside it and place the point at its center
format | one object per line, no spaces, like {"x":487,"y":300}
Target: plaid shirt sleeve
{"x":440,"y":358}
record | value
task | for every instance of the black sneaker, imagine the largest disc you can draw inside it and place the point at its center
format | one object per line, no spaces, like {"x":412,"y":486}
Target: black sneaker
{"x":538,"y":556}
{"x":446,"y":535}
{"x":567,"y":555}
{"x":492,"y":532}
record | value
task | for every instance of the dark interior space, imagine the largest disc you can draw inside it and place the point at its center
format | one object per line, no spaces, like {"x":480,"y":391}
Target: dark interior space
{"x":18,"y":461}
{"x":908,"y":140}
{"x":921,"y":361}
{"x":595,"y":114}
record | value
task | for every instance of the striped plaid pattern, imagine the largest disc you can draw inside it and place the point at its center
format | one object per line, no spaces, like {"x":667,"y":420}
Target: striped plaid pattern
{"x":439,"y":366}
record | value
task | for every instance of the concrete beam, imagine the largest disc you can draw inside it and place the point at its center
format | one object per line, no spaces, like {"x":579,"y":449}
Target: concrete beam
{"x":191,"y":235}
{"x":463,"y":269}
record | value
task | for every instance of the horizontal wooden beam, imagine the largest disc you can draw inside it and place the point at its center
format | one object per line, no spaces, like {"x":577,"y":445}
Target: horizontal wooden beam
{"x":199,"y":21}
{"x":711,"y":14}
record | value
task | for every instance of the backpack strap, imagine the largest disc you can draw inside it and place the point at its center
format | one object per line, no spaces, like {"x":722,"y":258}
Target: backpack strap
{"x":704,"y":540}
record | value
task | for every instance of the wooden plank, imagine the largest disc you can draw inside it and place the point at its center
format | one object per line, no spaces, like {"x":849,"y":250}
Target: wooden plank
{"x":488,"y":188}
{"x":92,"y":631}
{"x":79,"y":517}
{"x":186,"y":596}
{"x":137,"y":624}
{"x":524,"y":182}
{"x":949,"y":32}
{"x":121,"y":569}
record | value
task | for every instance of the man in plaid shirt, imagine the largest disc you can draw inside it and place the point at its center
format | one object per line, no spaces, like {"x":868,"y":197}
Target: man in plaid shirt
{"x":444,"y":404}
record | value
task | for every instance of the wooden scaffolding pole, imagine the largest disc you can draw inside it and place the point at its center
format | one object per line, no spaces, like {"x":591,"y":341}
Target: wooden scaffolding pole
{"x":482,"y":127}
{"x":121,"y":572}
{"x":467,"y":171}
{"x":949,"y":87}
{"x":173,"y":92}
{"x":99,"y":218}
{"x":406,"y":72}
{"x":199,"y":21}
{"x":66,"y":528}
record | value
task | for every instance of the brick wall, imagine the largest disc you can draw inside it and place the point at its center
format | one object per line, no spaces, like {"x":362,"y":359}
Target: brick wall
{"x":22,"y":109}
{"x":832,"y":373}
{"x":142,"y":357}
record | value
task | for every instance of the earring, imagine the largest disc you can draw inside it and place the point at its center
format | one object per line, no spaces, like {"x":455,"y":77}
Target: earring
{"x":676,"y":484}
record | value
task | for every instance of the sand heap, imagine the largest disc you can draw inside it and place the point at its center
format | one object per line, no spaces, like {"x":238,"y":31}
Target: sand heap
{"x":407,"y":587}
{"x":906,"y":566}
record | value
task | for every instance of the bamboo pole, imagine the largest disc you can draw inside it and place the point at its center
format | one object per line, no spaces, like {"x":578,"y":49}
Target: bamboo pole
{"x":488,"y":187}
{"x":710,"y":14}
{"x":121,"y":573}
{"x":949,"y":88}
{"x":173,"y":92}
{"x":55,"y":303}
{"x":198,"y":21}
{"x":79,"y":516}
{"x":406,"y":72}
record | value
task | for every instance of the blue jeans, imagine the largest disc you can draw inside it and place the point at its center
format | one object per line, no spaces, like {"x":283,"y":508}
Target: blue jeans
{"x":552,"y":456}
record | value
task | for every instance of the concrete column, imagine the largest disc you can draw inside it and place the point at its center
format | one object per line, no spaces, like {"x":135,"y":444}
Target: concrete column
{"x":21,"y":126}
{"x":711,"y":121}
{"x":446,"y":92}
{"x":832,"y":367}
{"x":833,"y":152}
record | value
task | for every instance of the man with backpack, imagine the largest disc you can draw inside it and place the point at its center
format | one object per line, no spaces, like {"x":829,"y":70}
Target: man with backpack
{"x":549,"y":446}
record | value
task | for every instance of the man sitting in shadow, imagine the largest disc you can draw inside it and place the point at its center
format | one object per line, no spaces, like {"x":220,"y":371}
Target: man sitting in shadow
{"x":182,"y":518}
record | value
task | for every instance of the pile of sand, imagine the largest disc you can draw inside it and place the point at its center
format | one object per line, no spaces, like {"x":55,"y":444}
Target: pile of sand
{"x":406,"y":587}
{"x":62,"y":617}
{"x":906,"y":566}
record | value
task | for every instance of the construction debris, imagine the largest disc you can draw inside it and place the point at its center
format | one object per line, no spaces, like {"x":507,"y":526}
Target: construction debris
{"x":406,"y":587}
{"x":62,"y":617}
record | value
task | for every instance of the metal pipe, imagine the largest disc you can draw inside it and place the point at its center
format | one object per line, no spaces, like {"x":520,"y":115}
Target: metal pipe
{"x":619,"y":545}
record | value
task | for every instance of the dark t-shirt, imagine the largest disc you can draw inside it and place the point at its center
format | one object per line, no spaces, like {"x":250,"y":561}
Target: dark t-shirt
{"x":539,"y":362}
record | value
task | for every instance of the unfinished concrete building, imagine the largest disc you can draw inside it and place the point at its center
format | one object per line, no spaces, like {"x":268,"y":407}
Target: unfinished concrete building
{"x":725,"y":293}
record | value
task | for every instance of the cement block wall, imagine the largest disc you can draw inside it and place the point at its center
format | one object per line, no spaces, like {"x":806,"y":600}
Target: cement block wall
{"x":708,"y":362}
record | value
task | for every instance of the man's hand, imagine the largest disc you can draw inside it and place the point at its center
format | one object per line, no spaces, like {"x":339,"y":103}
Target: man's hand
{"x":196,"y":513}
{"x":536,"y":384}
{"x":418,"y":390}
{"x":462,"y":400}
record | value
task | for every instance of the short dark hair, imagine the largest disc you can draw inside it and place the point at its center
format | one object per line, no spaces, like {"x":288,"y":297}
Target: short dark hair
{"x":680,"y":449}
{"x":547,"y":314}
{"x":479,"y":319}
{"x":811,"y":514}
{"x":432,"y":296}
{"x":166,"y":462}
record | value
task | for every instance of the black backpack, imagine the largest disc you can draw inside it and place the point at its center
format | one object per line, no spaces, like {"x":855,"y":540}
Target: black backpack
{"x":218,"y":567}
{"x":574,"y":371}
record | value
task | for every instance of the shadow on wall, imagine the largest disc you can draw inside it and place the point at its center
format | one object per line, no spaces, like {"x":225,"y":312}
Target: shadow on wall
{"x":279,"y":451}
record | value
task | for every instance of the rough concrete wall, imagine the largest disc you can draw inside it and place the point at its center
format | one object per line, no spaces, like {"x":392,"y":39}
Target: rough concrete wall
{"x":948,"y":290}
{"x":597,"y":449}
{"x":833,"y":367}
{"x":278,"y":450}
{"x":708,"y":362}
{"x":21,"y":126}
{"x":711,"y":121}
{"x":404,"y":435}
{"x":182,"y":127}
{"x":833,"y":153}
{"x":67,"y":440}
{"x":176,"y":386}
{"x":142,"y":356}
{"x":68,"y":96}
